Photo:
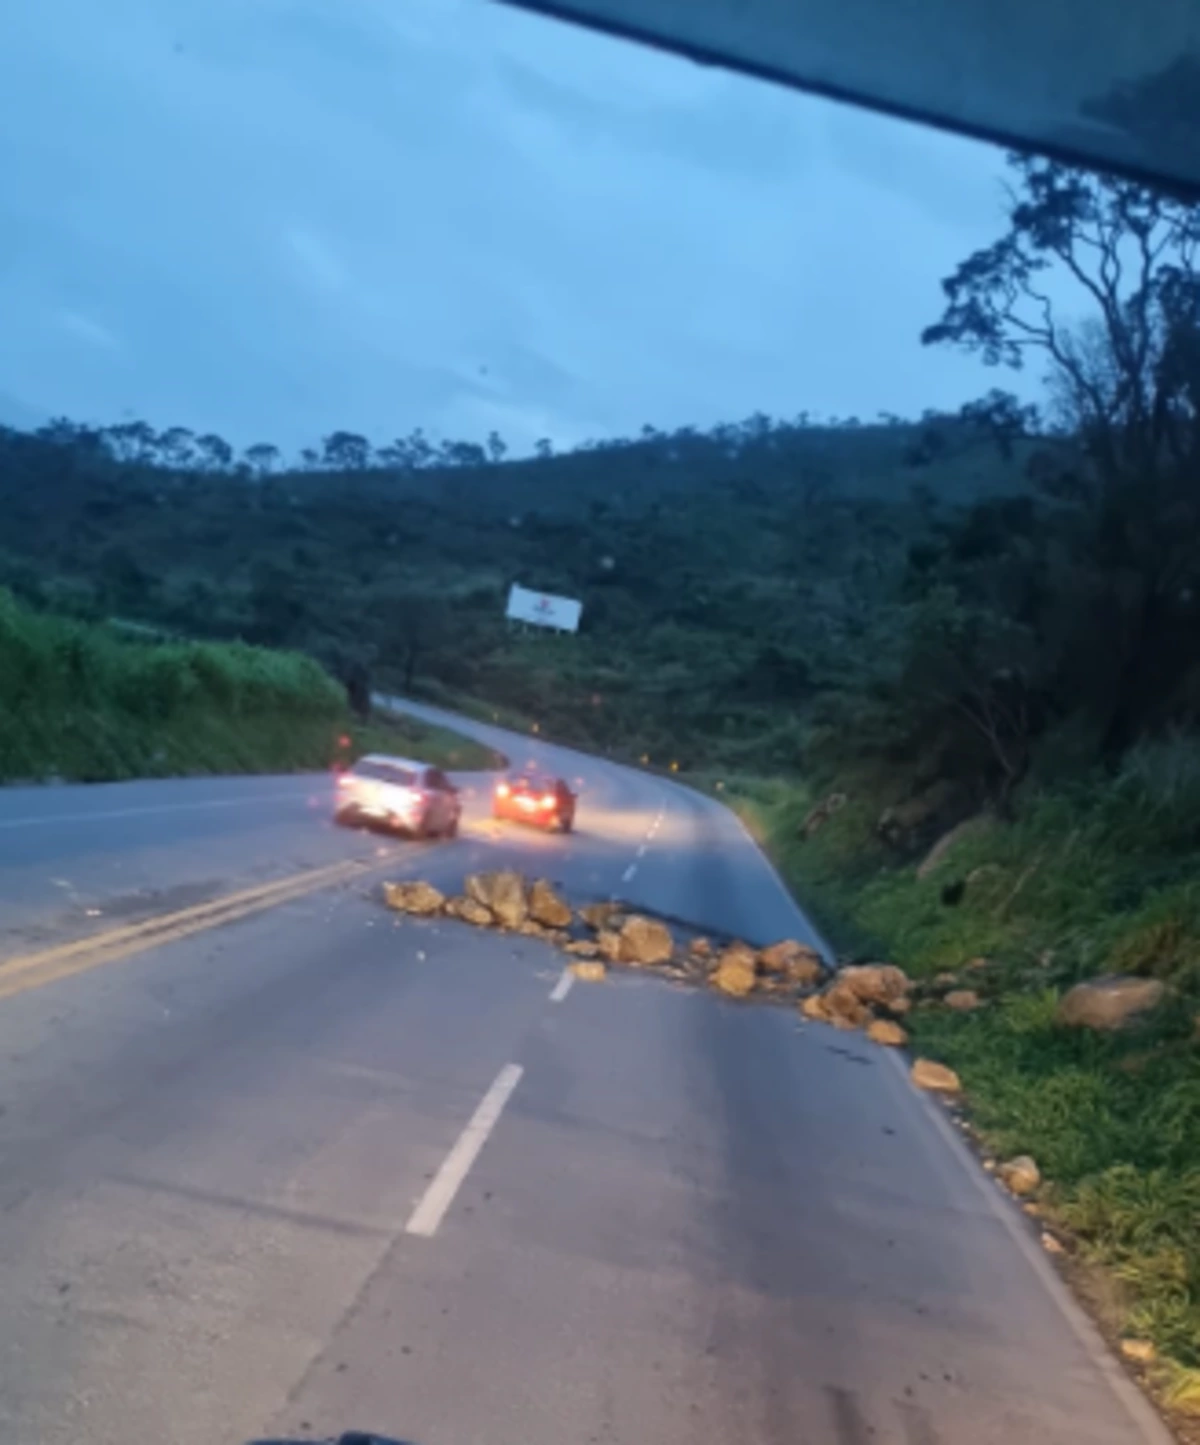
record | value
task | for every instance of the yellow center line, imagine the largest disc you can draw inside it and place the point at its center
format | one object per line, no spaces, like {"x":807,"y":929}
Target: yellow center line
{"x":27,"y":971}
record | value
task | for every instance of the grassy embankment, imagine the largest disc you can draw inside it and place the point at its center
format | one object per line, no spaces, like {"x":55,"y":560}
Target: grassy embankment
{"x":1101,"y":877}
{"x":82,"y":702}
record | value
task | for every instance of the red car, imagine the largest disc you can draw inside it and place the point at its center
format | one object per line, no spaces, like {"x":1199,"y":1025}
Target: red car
{"x":544,"y":802}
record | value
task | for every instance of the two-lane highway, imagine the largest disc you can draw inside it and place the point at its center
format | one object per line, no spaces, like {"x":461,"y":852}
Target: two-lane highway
{"x":326,"y":1168}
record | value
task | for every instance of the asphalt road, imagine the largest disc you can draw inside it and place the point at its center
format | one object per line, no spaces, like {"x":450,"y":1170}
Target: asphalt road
{"x":325,"y":1169}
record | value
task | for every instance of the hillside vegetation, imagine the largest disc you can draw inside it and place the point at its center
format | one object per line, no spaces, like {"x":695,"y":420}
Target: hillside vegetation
{"x":977,"y":633}
{"x":84,"y":702}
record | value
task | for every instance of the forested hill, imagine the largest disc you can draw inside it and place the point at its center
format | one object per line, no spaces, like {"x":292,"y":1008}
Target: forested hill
{"x":727,"y":576}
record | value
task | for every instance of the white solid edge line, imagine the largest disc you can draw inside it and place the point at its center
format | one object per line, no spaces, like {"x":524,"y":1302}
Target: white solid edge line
{"x":437,"y":1199}
{"x":1142,"y":1413}
{"x":563,"y":987}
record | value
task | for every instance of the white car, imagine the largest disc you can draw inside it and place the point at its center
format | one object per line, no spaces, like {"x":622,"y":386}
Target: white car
{"x":395,"y":793}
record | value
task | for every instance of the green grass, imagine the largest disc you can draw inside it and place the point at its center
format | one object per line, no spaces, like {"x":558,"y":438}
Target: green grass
{"x":1101,"y":877}
{"x":84,"y":702}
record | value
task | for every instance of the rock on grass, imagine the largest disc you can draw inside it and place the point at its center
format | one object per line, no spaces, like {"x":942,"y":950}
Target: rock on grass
{"x":937,"y":1078}
{"x":888,"y":1032}
{"x":1021,"y":1174}
{"x":1109,"y":1002}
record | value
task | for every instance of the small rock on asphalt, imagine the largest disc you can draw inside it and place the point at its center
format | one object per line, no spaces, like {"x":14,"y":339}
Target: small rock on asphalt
{"x":589,"y":970}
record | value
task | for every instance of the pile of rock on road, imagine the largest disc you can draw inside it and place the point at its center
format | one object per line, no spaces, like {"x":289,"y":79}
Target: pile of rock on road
{"x":873,"y":997}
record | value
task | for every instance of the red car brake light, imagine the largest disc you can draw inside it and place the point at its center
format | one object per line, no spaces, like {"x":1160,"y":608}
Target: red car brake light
{"x":502,"y":790}
{"x":548,"y":800}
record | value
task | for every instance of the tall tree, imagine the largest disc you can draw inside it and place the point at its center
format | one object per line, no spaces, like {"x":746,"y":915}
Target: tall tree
{"x":1126,"y":383}
{"x":346,"y":451}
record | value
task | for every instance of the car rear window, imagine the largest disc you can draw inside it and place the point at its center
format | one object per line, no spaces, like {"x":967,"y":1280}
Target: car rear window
{"x":385,"y":773}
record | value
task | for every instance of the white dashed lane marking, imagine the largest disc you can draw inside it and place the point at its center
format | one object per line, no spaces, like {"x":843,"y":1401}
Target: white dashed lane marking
{"x":438,"y":1198}
{"x":563,"y":987}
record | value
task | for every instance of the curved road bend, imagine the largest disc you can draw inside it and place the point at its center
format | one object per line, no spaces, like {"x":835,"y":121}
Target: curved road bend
{"x":324,"y":1168}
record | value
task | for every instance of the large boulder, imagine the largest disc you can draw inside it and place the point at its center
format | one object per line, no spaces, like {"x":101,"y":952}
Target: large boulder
{"x":794,"y":961}
{"x":547,"y":907}
{"x":417,"y":897}
{"x":736,"y":971}
{"x":503,"y":894}
{"x":1109,"y":1002}
{"x":645,"y":941}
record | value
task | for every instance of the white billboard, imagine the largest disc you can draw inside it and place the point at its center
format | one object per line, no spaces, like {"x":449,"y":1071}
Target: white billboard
{"x":543,"y":609}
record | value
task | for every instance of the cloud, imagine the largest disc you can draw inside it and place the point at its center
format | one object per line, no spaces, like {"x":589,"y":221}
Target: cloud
{"x":306,"y":214}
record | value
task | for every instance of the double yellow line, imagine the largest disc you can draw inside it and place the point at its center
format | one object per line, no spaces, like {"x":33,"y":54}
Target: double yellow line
{"x":34,"y":970}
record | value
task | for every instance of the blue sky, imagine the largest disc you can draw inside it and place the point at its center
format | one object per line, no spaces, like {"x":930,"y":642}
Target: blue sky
{"x":272,"y":218}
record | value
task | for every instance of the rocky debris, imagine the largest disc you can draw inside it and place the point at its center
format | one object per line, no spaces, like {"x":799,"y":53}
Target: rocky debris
{"x":589,"y":970}
{"x":507,"y":898}
{"x":609,"y":944}
{"x":899,"y":1006}
{"x":582,"y":948}
{"x":645,"y":941}
{"x":886,"y":1031}
{"x":873,"y":983}
{"x":939,"y":1079}
{"x":962,"y":1000}
{"x":419,"y":898}
{"x":469,"y":911}
{"x":1021,"y":1174}
{"x":1109,"y":1002}
{"x":813,"y":1007}
{"x":736,"y":972}
{"x":598,"y":916}
{"x":797,"y":962}
{"x":548,"y":907}
{"x":1050,"y":1244}
{"x":974,"y":965}
{"x":945,"y":980}
{"x":700,"y":948}
{"x":530,"y":928}
{"x":842,"y":1007}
